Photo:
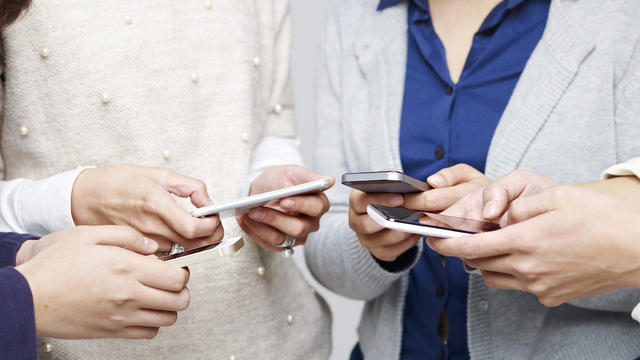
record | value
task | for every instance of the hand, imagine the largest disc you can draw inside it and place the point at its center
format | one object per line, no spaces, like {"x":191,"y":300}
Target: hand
{"x":384,"y":244}
{"x":140,"y":197}
{"x":492,"y":201}
{"x":562,"y":244}
{"x":449,"y":186}
{"x":297,"y":216}
{"x":86,"y":284}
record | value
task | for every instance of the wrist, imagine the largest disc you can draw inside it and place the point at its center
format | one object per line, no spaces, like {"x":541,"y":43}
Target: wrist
{"x":78,"y":194}
{"x":25,"y":252}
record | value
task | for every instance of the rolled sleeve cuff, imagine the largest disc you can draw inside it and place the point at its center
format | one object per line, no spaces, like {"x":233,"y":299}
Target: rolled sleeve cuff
{"x":629,"y":168}
{"x":635,"y":314}
{"x":18,"y":339}
{"x":9,"y":245}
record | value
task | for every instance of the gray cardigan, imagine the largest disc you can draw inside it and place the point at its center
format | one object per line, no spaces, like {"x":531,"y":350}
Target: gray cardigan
{"x":573,"y":113}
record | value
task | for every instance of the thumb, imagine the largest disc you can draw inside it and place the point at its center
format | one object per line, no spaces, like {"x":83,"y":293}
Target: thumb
{"x":454,"y":175}
{"x":186,"y":186}
{"x":124,"y":237}
{"x":303,"y":175}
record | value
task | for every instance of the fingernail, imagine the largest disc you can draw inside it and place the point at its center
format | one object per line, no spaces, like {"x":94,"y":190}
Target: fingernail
{"x":287,"y":204}
{"x":257,"y":214}
{"x":436,"y":180}
{"x":490,"y":209}
{"x":152,"y":245}
{"x":396,"y":200}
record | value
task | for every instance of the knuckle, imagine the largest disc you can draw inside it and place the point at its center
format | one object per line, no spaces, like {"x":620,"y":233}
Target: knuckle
{"x":469,"y":251}
{"x":117,"y":320}
{"x":189,"y":230}
{"x":299,"y":229}
{"x":121,"y":297}
{"x":537,"y":288}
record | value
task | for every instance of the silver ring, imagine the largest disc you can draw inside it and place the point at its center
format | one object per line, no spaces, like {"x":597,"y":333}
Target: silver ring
{"x":289,"y":241}
{"x":176,"y":248}
{"x":287,"y":245}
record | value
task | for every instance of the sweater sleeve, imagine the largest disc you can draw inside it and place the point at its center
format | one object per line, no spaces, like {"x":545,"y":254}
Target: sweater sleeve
{"x":334,"y":255}
{"x":17,"y":329}
{"x":275,"y":67}
{"x":9,"y":245}
{"x":627,"y":108}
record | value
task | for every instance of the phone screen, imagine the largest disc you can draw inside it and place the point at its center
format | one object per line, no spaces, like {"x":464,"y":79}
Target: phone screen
{"x":440,"y":221}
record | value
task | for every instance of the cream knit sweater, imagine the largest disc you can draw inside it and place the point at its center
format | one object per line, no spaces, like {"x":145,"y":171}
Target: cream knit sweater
{"x":191,"y":85}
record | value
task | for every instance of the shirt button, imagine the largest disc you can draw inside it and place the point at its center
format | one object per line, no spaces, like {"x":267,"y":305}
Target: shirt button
{"x":166,"y":154}
{"x":23,"y":131}
{"x":244,"y":137}
{"x":439,"y":153}
{"x":440,"y":290}
{"x":441,"y":355}
{"x":449,"y":90}
{"x":483,"y":306}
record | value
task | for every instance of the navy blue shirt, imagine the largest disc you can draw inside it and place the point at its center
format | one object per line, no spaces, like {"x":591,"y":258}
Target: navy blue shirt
{"x":17,"y":321}
{"x":444,"y":124}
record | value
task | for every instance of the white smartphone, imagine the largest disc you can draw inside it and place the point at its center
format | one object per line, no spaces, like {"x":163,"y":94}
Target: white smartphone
{"x":392,"y":182}
{"x":243,"y":205}
{"x":427,"y":224}
{"x":205,"y":253}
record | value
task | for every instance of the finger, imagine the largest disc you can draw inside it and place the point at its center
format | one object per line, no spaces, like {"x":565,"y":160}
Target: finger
{"x":526,"y":208}
{"x":182,"y":222}
{"x":124,"y":237}
{"x":501,"y":192}
{"x":481,"y":245}
{"x":359,"y":200}
{"x":136,"y":332}
{"x":363,"y":223}
{"x":311,"y":205}
{"x":386,"y":239}
{"x":438,"y":199}
{"x":453,"y":175}
{"x":297,"y":226}
{"x":265,"y":232}
{"x":160,"y":300}
{"x":501,"y":281}
{"x":186,"y":186}
{"x":159,"y":274}
{"x":498,"y":264}
{"x":242,"y":221}
{"x":153,"y":318}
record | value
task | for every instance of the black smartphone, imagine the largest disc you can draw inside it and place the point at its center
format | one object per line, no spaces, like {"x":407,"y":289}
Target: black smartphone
{"x":392,"y":182}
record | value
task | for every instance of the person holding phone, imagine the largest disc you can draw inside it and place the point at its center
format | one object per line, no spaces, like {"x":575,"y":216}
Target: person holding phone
{"x":558,"y":242}
{"x":420,"y":86}
{"x":101,"y":275}
{"x":191,"y":93}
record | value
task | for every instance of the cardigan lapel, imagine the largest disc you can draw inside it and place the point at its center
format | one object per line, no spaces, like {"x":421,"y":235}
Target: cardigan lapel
{"x":381,"y":40}
{"x":555,"y":61}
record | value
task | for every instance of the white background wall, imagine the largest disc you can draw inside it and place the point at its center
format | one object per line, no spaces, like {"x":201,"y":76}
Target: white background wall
{"x":308,"y":18}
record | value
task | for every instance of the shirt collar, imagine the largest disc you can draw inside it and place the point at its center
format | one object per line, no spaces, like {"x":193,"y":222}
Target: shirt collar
{"x":510,"y":4}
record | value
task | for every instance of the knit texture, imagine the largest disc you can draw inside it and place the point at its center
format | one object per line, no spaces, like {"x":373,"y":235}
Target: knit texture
{"x":124,"y":81}
{"x":573,"y":113}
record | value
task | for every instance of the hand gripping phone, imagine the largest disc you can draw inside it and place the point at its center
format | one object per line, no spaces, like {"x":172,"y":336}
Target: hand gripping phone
{"x":197,"y":255}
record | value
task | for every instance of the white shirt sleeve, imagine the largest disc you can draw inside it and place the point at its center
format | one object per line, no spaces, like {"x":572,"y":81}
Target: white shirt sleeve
{"x":271,"y":151}
{"x":629,"y":168}
{"x":37,"y":207}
